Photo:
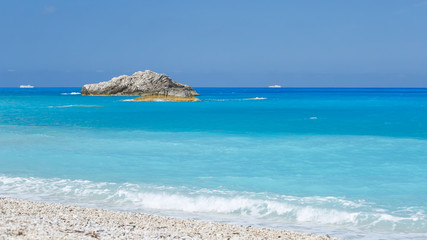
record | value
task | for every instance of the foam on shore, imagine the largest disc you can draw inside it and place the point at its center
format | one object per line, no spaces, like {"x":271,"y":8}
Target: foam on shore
{"x":40,"y":220}
{"x":316,"y":214}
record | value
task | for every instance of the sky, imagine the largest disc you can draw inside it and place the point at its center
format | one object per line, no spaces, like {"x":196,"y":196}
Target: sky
{"x":353,"y":43}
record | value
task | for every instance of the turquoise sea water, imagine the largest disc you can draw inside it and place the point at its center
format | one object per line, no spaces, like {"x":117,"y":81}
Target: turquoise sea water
{"x":350,"y":163}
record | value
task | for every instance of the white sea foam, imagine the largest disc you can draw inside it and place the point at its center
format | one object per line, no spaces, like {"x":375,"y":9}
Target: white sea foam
{"x":71,"y":93}
{"x":70,"y":106}
{"x":276,"y":209}
{"x":238,"y":99}
{"x":255,"y":98}
{"x":155,"y":100}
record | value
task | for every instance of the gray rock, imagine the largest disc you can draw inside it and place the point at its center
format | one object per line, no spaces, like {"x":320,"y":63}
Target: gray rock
{"x":145,"y":83}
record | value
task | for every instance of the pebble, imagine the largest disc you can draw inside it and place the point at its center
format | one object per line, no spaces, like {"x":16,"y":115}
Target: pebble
{"x":22,"y":219}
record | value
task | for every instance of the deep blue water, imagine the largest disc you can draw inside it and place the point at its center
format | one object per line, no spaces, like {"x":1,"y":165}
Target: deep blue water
{"x":347,"y":162}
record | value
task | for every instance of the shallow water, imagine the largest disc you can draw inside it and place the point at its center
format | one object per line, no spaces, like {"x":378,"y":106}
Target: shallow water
{"x":344,"y":162}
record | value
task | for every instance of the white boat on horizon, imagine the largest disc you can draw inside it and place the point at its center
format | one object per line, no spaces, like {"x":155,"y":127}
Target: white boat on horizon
{"x":275,"y":86}
{"x":26,"y":86}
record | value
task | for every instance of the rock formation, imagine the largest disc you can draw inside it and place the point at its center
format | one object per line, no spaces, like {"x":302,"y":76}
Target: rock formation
{"x":148,"y":85}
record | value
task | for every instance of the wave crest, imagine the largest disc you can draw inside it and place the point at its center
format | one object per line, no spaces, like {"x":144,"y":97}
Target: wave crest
{"x":259,"y":207}
{"x":71,"y":93}
{"x":238,"y":99}
{"x":70,"y":106}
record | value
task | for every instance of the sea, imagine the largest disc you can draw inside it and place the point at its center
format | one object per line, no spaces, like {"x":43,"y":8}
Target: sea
{"x":347,"y":162}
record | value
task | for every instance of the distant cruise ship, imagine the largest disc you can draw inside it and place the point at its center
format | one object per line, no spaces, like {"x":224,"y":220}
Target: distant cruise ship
{"x":26,"y":86}
{"x":275,"y":86}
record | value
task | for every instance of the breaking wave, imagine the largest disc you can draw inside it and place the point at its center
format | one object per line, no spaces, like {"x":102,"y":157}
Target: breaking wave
{"x":71,"y":93}
{"x":263,"y":208}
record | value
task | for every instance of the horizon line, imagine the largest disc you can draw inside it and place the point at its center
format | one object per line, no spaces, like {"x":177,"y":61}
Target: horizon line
{"x":251,"y":87}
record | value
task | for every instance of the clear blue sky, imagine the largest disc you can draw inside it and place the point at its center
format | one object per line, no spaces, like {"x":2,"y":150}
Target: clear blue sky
{"x":360,"y":43}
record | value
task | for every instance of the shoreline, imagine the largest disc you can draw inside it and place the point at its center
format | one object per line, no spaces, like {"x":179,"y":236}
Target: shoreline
{"x":24,"y":219}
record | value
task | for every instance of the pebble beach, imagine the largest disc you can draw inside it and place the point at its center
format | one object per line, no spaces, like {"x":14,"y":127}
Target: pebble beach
{"x":22,"y":219}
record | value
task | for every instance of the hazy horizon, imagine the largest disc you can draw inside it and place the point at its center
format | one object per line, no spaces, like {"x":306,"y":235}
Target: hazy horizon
{"x":221,"y":44}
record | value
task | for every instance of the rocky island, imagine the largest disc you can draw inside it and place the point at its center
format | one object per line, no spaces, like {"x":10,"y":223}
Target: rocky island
{"x":147,"y":85}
